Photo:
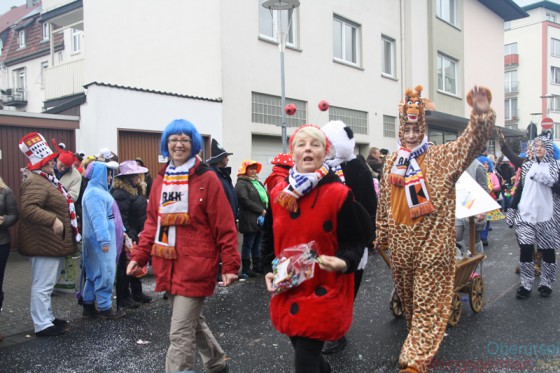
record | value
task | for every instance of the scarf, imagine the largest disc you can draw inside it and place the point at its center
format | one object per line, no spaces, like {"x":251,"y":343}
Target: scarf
{"x":173,"y":208}
{"x":335,"y":163}
{"x":262,"y":193}
{"x":407,"y":173}
{"x":299,"y":184}
{"x":71,"y":208}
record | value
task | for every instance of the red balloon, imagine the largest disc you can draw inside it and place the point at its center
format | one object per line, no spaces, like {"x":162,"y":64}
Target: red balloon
{"x":290,"y":109}
{"x":323,"y":105}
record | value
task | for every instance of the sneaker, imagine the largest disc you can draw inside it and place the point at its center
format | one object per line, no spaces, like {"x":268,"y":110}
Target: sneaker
{"x":545,"y":291}
{"x":333,"y":347}
{"x":484,"y":242}
{"x":142,"y":298}
{"x":60,"y":323}
{"x":110,"y":314}
{"x":51,"y":331}
{"x":89,"y":312}
{"x":522,"y":293}
{"x":129,"y":303}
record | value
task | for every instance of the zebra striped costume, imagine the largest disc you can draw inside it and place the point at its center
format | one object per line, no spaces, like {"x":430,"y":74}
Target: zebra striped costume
{"x":536,"y":215}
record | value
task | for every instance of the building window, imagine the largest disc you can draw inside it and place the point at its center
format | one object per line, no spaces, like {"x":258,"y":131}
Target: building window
{"x":389,"y":126}
{"x":491,"y":146}
{"x":268,"y":26}
{"x":346,"y":41}
{"x":21,"y":39}
{"x":355,"y":119}
{"x":447,"y":74}
{"x":555,"y":103}
{"x":507,"y":25}
{"x":511,"y":108}
{"x":511,"y":82}
{"x":44,"y":66}
{"x":556,"y":131}
{"x":46,"y":31}
{"x":446,"y":10}
{"x":555,"y":47}
{"x":76,"y":40}
{"x":551,"y":17}
{"x":268,"y":109}
{"x":510,"y":49}
{"x":388,"y":53}
{"x":555,"y":74}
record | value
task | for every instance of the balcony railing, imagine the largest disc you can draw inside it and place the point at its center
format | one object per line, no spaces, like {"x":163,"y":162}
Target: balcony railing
{"x":511,"y":59}
{"x":14,"y":97}
{"x":64,"y":80}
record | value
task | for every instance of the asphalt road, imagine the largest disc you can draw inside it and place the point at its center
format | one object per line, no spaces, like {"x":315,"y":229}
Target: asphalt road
{"x":507,"y":336}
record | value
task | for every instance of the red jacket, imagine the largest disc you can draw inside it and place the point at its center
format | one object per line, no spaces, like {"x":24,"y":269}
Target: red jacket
{"x":211,"y":233}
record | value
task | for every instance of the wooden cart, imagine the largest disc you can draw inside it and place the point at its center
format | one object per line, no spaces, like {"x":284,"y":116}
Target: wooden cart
{"x":467,"y":280}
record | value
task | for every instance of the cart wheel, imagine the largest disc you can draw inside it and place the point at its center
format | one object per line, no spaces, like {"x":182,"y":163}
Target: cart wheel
{"x":396,"y":305}
{"x":456,"y":309}
{"x":476,"y":295}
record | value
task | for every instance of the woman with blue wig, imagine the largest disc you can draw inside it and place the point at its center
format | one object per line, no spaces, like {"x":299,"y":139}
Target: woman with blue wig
{"x":185,"y":234}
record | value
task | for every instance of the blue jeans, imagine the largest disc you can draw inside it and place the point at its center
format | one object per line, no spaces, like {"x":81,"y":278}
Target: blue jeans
{"x":251,"y":245}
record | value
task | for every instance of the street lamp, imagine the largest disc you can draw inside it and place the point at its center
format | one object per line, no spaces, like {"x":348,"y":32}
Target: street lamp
{"x":280,"y":7}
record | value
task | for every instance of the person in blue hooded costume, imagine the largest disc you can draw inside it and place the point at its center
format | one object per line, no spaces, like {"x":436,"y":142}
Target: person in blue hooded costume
{"x":100,"y":249}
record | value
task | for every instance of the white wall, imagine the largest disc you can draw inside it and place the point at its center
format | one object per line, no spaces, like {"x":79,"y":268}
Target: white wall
{"x":171,"y":46}
{"x":484,"y":54}
{"x":109,"y":109}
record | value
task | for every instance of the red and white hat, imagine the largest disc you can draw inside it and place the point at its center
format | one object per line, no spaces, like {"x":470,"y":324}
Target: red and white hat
{"x":283,"y":159}
{"x":35,"y":147}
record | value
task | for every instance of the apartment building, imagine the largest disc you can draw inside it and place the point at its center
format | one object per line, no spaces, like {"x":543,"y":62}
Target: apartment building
{"x":532,"y":68}
{"x":217,"y":63}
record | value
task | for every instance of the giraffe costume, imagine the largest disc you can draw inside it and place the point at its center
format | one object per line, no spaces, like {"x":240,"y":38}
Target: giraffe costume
{"x":415,"y":220}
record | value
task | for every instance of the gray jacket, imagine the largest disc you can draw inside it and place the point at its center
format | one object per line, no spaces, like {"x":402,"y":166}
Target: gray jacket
{"x":9,"y":210}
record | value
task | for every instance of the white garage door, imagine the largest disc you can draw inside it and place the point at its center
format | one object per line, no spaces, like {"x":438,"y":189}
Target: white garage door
{"x":264,"y":150}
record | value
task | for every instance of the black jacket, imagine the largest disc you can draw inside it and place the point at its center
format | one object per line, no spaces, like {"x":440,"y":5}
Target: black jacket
{"x":225,"y":178}
{"x":250,"y":205}
{"x":132,"y":206}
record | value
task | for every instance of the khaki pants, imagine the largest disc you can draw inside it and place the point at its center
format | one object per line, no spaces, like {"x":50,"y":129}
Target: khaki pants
{"x":188,"y":333}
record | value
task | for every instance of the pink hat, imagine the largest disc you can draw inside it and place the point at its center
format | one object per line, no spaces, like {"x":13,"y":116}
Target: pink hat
{"x":243,"y":168}
{"x":283,"y":159}
{"x":131,"y":168}
{"x":34,"y":146}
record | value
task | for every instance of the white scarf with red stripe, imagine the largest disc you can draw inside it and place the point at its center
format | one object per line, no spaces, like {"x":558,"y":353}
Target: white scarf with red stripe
{"x":71,"y":208}
{"x":173,"y":208}
{"x":407,"y":173}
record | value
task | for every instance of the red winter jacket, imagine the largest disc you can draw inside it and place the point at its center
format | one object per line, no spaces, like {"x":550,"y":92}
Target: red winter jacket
{"x":211,"y":233}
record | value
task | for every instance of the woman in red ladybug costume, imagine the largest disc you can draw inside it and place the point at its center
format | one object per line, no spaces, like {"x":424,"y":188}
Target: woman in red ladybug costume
{"x":312,"y":204}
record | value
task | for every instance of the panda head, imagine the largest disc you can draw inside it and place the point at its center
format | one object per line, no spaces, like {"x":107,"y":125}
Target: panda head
{"x":341,"y":139}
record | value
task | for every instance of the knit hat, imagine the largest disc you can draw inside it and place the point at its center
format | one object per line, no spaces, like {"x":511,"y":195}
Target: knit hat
{"x":283,"y":159}
{"x":243,"y":168}
{"x":131,"y":168}
{"x":34,"y":146}
{"x":217,"y":153}
{"x":64,"y":156}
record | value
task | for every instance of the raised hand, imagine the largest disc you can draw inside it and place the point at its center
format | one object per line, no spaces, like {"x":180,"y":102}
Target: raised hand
{"x":501,"y":137}
{"x":479,"y":98}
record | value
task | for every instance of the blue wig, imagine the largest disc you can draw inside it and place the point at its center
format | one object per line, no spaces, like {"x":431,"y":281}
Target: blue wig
{"x":177,"y":127}
{"x":483,"y":159}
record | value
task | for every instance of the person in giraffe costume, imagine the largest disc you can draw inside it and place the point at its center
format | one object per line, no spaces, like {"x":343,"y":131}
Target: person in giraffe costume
{"x":416,"y":215}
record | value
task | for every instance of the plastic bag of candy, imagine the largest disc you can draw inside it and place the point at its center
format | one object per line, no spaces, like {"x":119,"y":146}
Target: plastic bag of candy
{"x":293,"y":266}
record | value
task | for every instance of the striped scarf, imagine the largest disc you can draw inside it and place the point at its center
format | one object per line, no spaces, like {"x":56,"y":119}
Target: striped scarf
{"x":299,"y":184}
{"x":71,"y":208}
{"x":407,"y":173}
{"x":173,"y":208}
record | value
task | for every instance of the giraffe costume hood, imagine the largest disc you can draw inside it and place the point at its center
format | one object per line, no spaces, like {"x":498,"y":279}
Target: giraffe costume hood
{"x":422,"y":245}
